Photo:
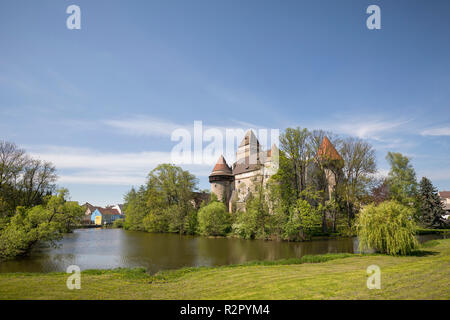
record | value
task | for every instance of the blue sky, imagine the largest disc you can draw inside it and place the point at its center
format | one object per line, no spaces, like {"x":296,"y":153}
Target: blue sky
{"x":101,"y":102}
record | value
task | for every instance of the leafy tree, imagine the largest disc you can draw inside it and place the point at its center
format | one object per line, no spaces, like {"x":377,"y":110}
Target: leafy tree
{"x":303,"y":219}
{"x":213,"y":219}
{"x":430,"y":205}
{"x":282,"y":184}
{"x":253,"y":223}
{"x":42,"y":223}
{"x":23,"y":181}
{"x":401,"y":179}
{"x":157,"y":220}
{"x":359,"y":167}
{"x":164,"y":203}
{"x":191,"y":222}
{"x":380,"y":191}
{"x":294,"y":143}
{"x":135,"y":208}
{"x":388,"y":228}
{"x":119,"y":223}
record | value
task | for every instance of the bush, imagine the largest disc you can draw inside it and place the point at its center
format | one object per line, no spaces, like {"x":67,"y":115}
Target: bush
{"x":119,"y":223}
{"x":213,"y":219}
{"x":191,"y":223}
{"x":156,"y":221}
{"x":245,"y":224}
{"x":388,"y":228}
{"x":303,"y":219}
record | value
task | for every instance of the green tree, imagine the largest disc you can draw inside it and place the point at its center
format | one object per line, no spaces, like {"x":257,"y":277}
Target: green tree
{"x":401,"y":179}
{"x":23,"y":181}
{"x":294,"y":144}
{"x":164,"y":203}
{"x":135,"y":209}
{"x":388,"y":228}
{"x":191,"y":222}
{"x":213,"y":219}
{"x":41,"y":223}
{"x":430,"y":206}
{"x":358,"y":170}
{"x":253,"y":223}
{"x":303,"y":219}
{"x":119,"y":223}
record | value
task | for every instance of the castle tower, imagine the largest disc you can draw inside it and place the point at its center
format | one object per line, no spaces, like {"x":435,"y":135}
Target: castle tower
{"x":249,"y":150}
{"x":221,"y":179}
{"x":331,"y":161}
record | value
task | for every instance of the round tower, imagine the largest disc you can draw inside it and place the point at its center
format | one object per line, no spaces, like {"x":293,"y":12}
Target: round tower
{"x":221,"y":179}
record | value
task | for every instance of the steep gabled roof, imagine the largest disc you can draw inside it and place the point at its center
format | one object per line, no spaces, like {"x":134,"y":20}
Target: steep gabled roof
{"x":327,"y":151}
{"x":249,"y":138}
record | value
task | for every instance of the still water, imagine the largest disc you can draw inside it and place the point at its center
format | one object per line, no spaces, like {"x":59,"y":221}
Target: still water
{"x":112,"y":248}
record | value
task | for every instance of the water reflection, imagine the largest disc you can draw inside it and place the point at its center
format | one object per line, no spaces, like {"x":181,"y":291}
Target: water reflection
{"x":112,"y":248}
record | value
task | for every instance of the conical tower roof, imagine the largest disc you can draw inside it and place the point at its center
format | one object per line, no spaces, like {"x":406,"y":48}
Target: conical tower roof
{"x":221,"y":168}
{"x":327,"y":151}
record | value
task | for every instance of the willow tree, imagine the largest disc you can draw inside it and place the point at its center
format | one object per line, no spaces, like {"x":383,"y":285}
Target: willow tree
{"x":387,"y":228}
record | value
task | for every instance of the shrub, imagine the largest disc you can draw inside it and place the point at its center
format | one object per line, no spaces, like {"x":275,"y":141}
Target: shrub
{"x":118,"y":223}
{"x":388,"y":228}
{"x":191,"y":222}
{"x":245,"y":224}
{"x":302,"y":221}
{"x":156,"y":221}
{"x":213,"y":219}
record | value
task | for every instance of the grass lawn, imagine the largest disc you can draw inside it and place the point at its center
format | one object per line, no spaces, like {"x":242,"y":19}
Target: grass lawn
{"x":423,"y":276}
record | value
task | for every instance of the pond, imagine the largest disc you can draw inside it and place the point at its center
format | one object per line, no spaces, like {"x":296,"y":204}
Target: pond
{"x":112,"y":248}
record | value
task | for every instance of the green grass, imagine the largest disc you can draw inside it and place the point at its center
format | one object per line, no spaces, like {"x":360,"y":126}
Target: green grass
{"x":424,"y":275}
{"x":423,"y":231}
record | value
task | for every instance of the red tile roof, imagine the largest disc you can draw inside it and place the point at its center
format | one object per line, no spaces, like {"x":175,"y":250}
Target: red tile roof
{"x":221,"y":167}
{"x":108,"y":211}
{"x":444,"y":194}
{"x":327,"y":151}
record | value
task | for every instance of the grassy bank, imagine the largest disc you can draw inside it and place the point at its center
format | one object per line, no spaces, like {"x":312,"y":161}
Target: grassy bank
{"x":423,"y":231}
{"x":425,"y":275}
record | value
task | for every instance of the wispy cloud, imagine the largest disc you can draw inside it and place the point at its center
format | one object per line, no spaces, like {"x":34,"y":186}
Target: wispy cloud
{"x":143,"y":126}
{"x":367,"y":128}
{"x":443,"y":131}
{"x":87,"y":166}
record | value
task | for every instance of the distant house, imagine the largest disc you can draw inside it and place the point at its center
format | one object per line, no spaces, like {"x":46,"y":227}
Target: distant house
{"x":102,"y":216}
{"x":445,"y":197}
{"x":118,"y":207}
{"x":89,"y":209}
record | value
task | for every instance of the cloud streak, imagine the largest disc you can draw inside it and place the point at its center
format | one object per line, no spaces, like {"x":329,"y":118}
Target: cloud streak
{"x":87,"y":166}
{"x":443,"y":131}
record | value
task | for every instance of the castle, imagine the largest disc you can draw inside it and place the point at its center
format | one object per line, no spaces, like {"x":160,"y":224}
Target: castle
{"x":253,"y":168}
